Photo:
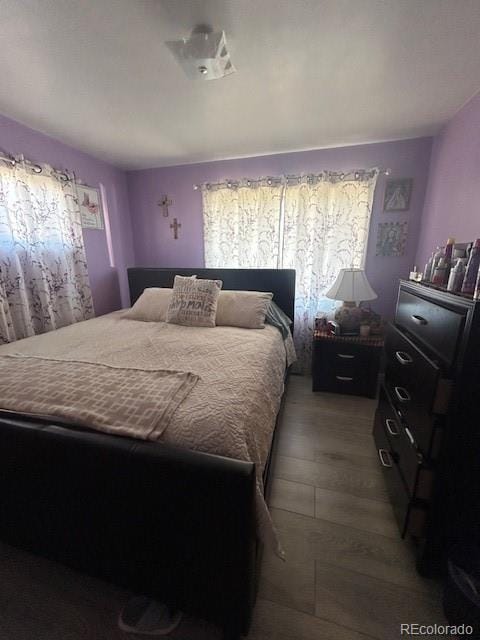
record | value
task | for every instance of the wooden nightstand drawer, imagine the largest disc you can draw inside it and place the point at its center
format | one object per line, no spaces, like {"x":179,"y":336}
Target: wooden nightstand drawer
{"x":354,"y":385}
{"x":343,"y":365}
{"x":338,"y":382}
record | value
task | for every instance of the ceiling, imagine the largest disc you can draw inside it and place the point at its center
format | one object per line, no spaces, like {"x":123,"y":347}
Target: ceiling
{"x":97,"y":74}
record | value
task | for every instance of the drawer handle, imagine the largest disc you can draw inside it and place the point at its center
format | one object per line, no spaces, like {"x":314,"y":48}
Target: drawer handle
{"x":419,"y":319}
{"x":402,"y":394}
{"x":385,"y":459}
{"x":403,"y":357}
{"x":414,"y":444}
{"x":391,"y":427}
{"x":345,"y":356}
{"x":344,"y":378}
{"x":410,"y":437}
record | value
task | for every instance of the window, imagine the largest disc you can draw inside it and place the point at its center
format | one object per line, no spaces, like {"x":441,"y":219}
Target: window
{"x":43,"y":270}
{"x":314,"y":224}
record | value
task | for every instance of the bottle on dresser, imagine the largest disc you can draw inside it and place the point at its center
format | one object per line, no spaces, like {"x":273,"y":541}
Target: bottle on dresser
{"x":427,"y":272}
{"x":440,"y":273}
{"x":457,"y":273}
{"x":471,"y":272}
{"x":448,"y":258}
{"x":476,"y":294}
{"x":437,"y":256}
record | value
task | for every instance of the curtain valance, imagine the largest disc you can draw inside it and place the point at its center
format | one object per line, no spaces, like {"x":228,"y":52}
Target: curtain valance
{"x":359,"y":175}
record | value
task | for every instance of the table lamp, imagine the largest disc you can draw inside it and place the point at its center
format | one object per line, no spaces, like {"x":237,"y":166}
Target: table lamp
{"x":351,"y":286}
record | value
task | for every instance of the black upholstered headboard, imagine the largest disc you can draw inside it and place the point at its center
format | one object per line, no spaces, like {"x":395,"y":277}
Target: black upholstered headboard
{"x":281,"y":282}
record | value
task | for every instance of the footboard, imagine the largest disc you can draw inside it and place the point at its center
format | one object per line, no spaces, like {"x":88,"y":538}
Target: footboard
{"x":174,"y":524}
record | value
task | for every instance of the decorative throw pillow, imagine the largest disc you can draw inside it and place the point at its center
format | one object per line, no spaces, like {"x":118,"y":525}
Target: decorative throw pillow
{"x":151,"y":306}
{"x":194,"y":302}
{"x":245,"y":309}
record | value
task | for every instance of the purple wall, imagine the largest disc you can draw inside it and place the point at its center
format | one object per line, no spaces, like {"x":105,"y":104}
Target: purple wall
{"x":452,"y":203}
{"x":109,"y":285}
{"x":154,"y":244}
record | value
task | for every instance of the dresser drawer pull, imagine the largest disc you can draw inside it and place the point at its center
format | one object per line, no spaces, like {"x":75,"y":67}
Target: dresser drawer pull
{"x":391,"y":427}
{"x":345,"y":356}
{"x":410,"y":437}
{"x":344,"y":378}
{"x":403,"y":357}
{"x":402,"y":394}
{"x":385,"y":459}
{"x":419,"y":319}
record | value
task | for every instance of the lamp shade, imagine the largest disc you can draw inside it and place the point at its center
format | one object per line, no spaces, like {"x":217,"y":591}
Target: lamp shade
{"x":351,"y":285}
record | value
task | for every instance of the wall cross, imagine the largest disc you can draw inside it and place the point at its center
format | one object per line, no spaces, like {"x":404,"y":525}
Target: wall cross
{"x":175,"y":226}
{"x":165,"y":203}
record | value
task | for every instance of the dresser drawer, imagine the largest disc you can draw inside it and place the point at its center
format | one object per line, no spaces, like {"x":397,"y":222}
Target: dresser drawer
{"x":404,"y":453}
{"x":411,"y":516}
{"x":418,"y":478}
{"x":436,"y":326}
{"x":412,"y":381}
{"x":395,"y":485}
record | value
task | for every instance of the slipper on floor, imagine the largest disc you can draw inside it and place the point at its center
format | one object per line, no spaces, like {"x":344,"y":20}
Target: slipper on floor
{"x":147,"y":617}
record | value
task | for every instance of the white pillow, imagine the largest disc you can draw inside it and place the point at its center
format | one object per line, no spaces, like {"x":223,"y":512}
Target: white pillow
{"x":151,"y":306}
{"x":245,"y":309}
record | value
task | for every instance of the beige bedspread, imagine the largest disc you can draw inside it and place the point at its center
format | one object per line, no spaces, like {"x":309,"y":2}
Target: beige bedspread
{"x":231,"y":409}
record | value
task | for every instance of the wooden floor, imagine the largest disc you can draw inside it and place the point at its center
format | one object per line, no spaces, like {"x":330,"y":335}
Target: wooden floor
{"x":347,"y":575}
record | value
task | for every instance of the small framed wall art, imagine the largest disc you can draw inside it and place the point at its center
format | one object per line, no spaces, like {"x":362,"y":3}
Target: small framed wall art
{"x":391,"y":238}
{"x":398,"y":192}
{"x":90,"y":203}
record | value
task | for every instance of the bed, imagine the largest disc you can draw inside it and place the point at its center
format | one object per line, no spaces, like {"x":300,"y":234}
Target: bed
{"x":160,"y":519}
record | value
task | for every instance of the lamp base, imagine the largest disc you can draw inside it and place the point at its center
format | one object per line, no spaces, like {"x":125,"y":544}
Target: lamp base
{"x":348,"y":317}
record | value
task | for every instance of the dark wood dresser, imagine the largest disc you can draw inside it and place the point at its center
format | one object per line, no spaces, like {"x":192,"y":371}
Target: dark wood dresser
{"x":427,"y":423}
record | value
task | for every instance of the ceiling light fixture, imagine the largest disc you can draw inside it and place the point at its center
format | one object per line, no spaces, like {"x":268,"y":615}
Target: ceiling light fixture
{"x":204,"y":55}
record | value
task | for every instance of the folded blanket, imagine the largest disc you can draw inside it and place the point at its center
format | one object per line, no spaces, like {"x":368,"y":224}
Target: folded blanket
{"x":123,"y":401}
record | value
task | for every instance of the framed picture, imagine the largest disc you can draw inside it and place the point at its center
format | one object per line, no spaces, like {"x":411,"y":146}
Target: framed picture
{"x":398,"y":192}
{"x":90,"y":203}
{"x":391,"y":238}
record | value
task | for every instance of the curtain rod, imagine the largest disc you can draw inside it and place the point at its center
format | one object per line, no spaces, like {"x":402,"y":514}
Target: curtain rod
{"x":35,"y":166}
{"x":282,"y":179}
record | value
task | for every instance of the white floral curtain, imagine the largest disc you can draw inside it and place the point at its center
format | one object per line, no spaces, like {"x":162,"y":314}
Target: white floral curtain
{"x":316,"y":225}
{"x":326,"y":229}
{"x":242,"y":225}
{"x":43,"y":270}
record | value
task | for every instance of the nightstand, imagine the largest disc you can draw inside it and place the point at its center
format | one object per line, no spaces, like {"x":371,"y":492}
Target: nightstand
{"x":346,"y":364}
